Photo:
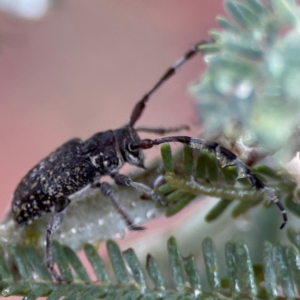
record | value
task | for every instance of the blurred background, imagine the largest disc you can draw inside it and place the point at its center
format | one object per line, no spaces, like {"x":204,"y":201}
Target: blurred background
{"x":78,"y":67}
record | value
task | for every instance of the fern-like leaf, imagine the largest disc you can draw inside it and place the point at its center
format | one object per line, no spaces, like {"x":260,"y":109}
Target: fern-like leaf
{"x":242,"y":279}
{"x":199,"y":174}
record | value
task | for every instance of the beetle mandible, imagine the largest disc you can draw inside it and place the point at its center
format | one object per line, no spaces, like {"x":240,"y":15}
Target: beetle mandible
{"x":48,"y":186}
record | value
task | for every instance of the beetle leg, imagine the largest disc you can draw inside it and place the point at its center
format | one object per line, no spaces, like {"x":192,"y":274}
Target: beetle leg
{"x":163,"y":130}
{"x":107,"y":190}
{"x":124,"y":180}
{"x":52,"y":226}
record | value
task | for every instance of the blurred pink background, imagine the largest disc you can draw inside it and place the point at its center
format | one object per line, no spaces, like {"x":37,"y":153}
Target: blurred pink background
{"x":82,"y":68}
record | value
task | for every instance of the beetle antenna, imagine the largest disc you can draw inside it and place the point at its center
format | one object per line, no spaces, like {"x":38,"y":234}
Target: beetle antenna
{"x":224,"y":157}
{"x":140,"y":106}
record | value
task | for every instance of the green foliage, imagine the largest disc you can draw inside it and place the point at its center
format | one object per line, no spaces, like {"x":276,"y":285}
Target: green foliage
{"x":242,"y":279}
{"x":200,"y":174}
{"x":252,"y":76}
{"x":249,"y":93}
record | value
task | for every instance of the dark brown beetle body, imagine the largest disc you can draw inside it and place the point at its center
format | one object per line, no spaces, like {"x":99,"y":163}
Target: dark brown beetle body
{"x":70,"y":168}
{"x":50,"y":185}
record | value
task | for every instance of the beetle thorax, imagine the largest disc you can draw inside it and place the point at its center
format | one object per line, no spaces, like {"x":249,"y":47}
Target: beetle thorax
{"x":107,"y":164}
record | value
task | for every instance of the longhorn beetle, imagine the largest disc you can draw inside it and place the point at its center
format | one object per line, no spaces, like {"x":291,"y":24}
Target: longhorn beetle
{"x":49,"y":185}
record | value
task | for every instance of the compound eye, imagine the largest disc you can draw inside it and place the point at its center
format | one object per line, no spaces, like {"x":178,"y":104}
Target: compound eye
{"x":132,"y":148}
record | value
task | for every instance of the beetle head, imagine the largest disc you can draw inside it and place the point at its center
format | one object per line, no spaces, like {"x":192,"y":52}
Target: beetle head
{"x":127,"y":136}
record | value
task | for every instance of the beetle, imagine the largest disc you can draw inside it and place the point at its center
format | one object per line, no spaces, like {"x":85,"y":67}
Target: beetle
{"x":50,"y":185}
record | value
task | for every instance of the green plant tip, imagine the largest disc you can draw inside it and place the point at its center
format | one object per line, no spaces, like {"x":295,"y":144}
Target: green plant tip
{"x":167,"y":158}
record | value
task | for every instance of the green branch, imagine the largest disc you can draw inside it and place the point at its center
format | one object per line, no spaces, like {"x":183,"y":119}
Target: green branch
{"x":242,"y":277}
